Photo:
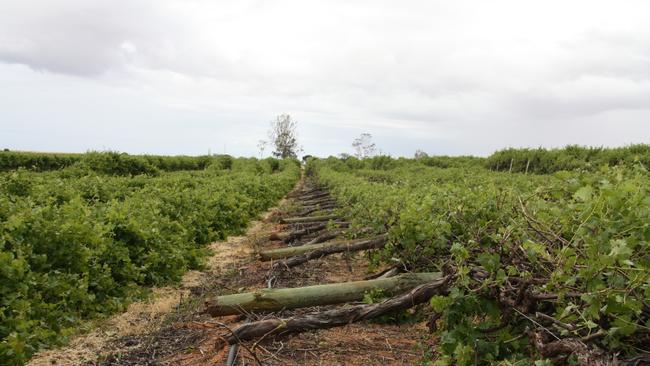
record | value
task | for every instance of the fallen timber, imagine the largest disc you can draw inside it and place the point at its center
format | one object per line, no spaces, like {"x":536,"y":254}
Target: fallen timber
{"x":339,"y":317}
{"x":317,"y":208}
{"x":287,"y":252}
{"x":268,"y":300}
{"x":295,"y":220}
{"x":314,"y":196}
{"x":328,"y":235}
{"x":320,"y":201}
{"x":304,"y":192}
{"x":297,"y":234}
{"x":378,"y":242}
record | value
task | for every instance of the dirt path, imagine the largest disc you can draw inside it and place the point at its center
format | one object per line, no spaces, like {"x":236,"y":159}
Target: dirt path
{"x":173,"y":330}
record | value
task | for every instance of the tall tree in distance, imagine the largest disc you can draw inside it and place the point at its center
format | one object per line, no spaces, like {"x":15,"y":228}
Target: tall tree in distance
{"x":363,"y":146}
{"x":419,"y":154}
{"x":283,"y":137}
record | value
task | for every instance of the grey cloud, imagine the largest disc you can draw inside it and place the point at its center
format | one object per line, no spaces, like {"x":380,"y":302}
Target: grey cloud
{"x":466,"y":76}
{"x":586,"y":96}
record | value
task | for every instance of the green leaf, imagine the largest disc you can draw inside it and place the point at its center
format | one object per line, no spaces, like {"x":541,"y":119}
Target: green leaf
{"x":584,"y":194}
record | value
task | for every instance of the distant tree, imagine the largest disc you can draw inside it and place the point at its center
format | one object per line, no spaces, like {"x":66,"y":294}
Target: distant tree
{"x":344,"y":156}
{"x":283,"y":137}
{"x":419,"y":154}
{"x":363,"y":146}
{"x":261,"y":145}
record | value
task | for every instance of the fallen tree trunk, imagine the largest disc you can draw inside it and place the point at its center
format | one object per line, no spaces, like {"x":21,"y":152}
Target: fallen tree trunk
{"x":297,"y":234}
{"x":288,"y":236}
{"x":338,"y":317}
{"x":320,"y":201}
{"x":316,"y":209}
{"x":291,"y":298}
{"x":314,"y":196}
{"x":295,"y":220}
{"x":308,"y":191}
{"x":287,"y":252}
{"x":329,"y":235}
{"x":378,"y":242}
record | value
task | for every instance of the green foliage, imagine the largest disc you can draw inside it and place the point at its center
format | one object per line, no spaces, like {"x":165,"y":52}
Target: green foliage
{"x":10,"y":160}
{"x":83,"y":245}
{"x":569,"y":158}
{"x":585,"y":232}
{"x":112,"y":163}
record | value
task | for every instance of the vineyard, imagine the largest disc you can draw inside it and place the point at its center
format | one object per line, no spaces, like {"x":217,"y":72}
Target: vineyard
{"x":84,"y":241}
{"x":432,"y":261}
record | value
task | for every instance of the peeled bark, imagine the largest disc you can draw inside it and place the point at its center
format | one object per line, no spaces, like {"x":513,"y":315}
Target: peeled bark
{"x":291,"y":298}
{"x":378,"y":242}
{"x":295,"y":220}
{"x":287,"y":252}
{"x":339,"y":317}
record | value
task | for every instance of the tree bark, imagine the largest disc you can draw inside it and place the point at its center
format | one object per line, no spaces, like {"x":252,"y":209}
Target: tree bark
{"x":320,"y":201}
{"x":339,"y":317}
{"x":378,"y":242}
{"x":295,"y":220}
{"x":329,"y":235}
{"x":314,"y":196}
{"x":316,"y":209}
{"x":291,"y":298}
{"x":297,"y":234}
{"x":287,"y":252}
{"x":288,"y":236}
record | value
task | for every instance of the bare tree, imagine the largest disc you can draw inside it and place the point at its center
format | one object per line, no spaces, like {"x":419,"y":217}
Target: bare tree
{"x":363,"y":146}
{"x":283,"y":136}
{"x":419,"y":154}
{"x":261,"y":145}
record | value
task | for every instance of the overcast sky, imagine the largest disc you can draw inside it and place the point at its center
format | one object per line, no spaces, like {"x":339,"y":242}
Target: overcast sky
{"x":448,"y":77}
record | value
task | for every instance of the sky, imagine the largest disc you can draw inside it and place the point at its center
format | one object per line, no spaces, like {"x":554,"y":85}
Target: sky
{"x":447,"y":77}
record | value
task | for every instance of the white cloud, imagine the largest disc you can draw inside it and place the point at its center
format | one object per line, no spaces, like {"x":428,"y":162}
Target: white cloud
{"x":461,"y":77}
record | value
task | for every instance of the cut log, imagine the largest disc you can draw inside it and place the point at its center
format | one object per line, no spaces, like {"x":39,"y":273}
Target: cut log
{"x":287,"y":252}
{"x":314,"y":196}
{"x":303,"y":190}
{"x":338,"y":317}
{"x":327,"y":210}
{"x":295,"y":220}
{"x":320,"y":201}
{"x":308,"y":191}
{"x":311,"y":209}
{"x":298,"y":233}
{"x":329,"y":235}
{"x":321,"y":206}
{"x":378,"y":242}
{"x":291,"y":298}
